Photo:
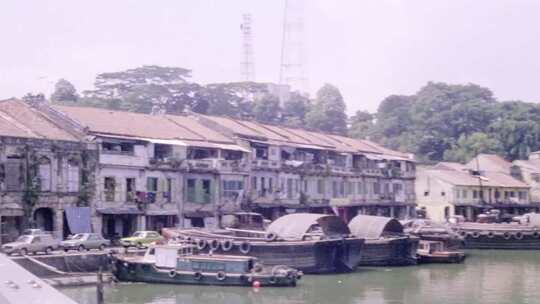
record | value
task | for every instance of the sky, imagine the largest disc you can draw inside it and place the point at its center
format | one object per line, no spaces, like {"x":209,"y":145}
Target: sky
{"x":369,"y":49}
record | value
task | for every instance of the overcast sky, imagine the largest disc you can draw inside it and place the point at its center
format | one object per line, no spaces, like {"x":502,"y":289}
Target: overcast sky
{"x":368,"y":49}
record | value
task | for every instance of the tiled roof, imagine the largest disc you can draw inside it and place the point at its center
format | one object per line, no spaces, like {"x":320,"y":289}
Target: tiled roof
{"x":451,"y":166}
{"x":103,"y":121}
{"x":19,"y":119}
{"x":489,"y":179}
{"x":490,"y":162}
{"x":533,"y":164}
{"x":300,"y":137}
{"x":192,"y":125}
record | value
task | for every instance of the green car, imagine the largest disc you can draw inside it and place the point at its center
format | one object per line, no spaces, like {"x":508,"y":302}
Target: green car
{"x":141,"y":239}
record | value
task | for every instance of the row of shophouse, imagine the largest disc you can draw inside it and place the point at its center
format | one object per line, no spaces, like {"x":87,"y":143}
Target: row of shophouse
{"x":70,"y":169}
{"x":488,"y":182}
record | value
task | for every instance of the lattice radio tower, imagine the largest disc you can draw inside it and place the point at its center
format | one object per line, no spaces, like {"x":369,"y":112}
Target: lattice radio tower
{"x":247,"y":63}
{"x":293,"y":53}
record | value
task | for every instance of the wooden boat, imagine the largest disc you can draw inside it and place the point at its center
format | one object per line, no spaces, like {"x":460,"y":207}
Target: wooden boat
{"x":385,"y":242}
{"x":312,"y":243}
{"x":180,"y":264}
{"x":522,"y":235}
{"x":435,"y":252}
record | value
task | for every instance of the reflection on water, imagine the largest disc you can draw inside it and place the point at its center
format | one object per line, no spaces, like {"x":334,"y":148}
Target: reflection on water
{"x":485,"y":277}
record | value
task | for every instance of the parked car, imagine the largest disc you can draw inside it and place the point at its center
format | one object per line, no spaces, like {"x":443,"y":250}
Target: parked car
{"x":85,"y":241}
{"x":31,"y":244}
{"x":141,"y":239}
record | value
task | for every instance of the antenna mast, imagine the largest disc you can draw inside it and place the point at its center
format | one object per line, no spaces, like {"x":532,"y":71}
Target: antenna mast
{"x":293,"y":53}
{"x":247,"y":63}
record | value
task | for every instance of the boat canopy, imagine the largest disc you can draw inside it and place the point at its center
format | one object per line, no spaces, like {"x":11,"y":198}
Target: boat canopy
{"x":374,"y":227}
{"x":295,"y":226}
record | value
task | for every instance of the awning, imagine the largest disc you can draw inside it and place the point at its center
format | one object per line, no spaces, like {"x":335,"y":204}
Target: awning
{"x":119,"y":211}
{"x":373,"y":156}
{"x":233,"y":147}
{"x":78,"y":219}
{"x":206,"y":144}
{"x":172,"y":142}
{"x":191,"y":214}
{"x":161,"y":212}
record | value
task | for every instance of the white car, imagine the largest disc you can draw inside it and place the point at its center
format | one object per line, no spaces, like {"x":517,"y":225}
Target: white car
{"x":85,"y":241}
{"x":26,"y":244}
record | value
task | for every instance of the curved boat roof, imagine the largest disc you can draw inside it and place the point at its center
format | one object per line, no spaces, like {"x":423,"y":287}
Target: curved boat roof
{"x":373,"y":227}
{"x":294,"y":226}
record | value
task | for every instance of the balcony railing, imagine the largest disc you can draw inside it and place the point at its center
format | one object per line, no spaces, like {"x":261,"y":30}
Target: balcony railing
{"x":265,"y":164}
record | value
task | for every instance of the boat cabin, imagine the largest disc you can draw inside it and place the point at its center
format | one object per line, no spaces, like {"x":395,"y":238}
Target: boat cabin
{"x":186,"y":258}
{"x":244,"y":220}
{"x":431,"y":246}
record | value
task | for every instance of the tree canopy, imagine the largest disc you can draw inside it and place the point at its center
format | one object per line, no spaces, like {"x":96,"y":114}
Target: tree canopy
{"x":328,"y":111}
{"x":440,"y":122}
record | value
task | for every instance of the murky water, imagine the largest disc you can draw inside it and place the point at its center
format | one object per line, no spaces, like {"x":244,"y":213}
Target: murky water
{"x":485,"y":277}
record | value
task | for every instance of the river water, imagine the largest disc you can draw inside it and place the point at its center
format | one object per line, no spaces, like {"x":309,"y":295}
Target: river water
{"x":484,"y":277}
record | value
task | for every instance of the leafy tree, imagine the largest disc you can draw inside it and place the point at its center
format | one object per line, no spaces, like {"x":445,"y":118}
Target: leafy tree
{"x":141,"y":88}
{"x":32,"y":98}
{"x":296,"y":108}
{"x":468,"y":146}
{"x":328,"y":112}
{"x":517,"y":128}
{"x":64,"y":91}
{"x":361,"y":125}
{"x":266,"y":109}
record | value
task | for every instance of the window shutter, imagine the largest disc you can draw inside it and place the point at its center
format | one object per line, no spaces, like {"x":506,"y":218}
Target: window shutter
{"x":13,"y":174}
{"x":45,"y":177}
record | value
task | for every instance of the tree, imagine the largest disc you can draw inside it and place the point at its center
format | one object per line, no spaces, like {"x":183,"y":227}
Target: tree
{"x":468,"y":146}
{"x":266,"y":109}
{"x":34,"y":98}
{"x":295,"y":109}
{"x":64,"y":91}
{"x":361,"y":125}
{"x":328,"y":112}
{"x":139,"y":89}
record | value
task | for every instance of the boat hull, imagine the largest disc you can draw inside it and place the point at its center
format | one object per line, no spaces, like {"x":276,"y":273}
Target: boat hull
{"x":441,"y":258}
{"x":130,"y":271}
{"x":399,"y":251}
{"x":309,"y":256}
{"x":325,"y":256}
{"x":499,"y":236}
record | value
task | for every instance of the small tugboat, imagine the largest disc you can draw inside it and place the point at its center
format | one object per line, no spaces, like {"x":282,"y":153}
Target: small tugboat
{"x":428,"y":230}
{"x":435,"y":252}
{"x":180,"y":264}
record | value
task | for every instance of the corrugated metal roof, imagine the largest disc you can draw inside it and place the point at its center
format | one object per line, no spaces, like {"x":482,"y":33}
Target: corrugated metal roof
{"x":168,"y":127}
{"x":294,"y":226}
{"x":19,"y":119}
{"x":196,"y":127}
{"x":373,"y":227}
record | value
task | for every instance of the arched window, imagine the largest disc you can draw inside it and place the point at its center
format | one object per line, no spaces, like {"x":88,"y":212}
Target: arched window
{"x":45,"y":174}
{"x":73,"y":176}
